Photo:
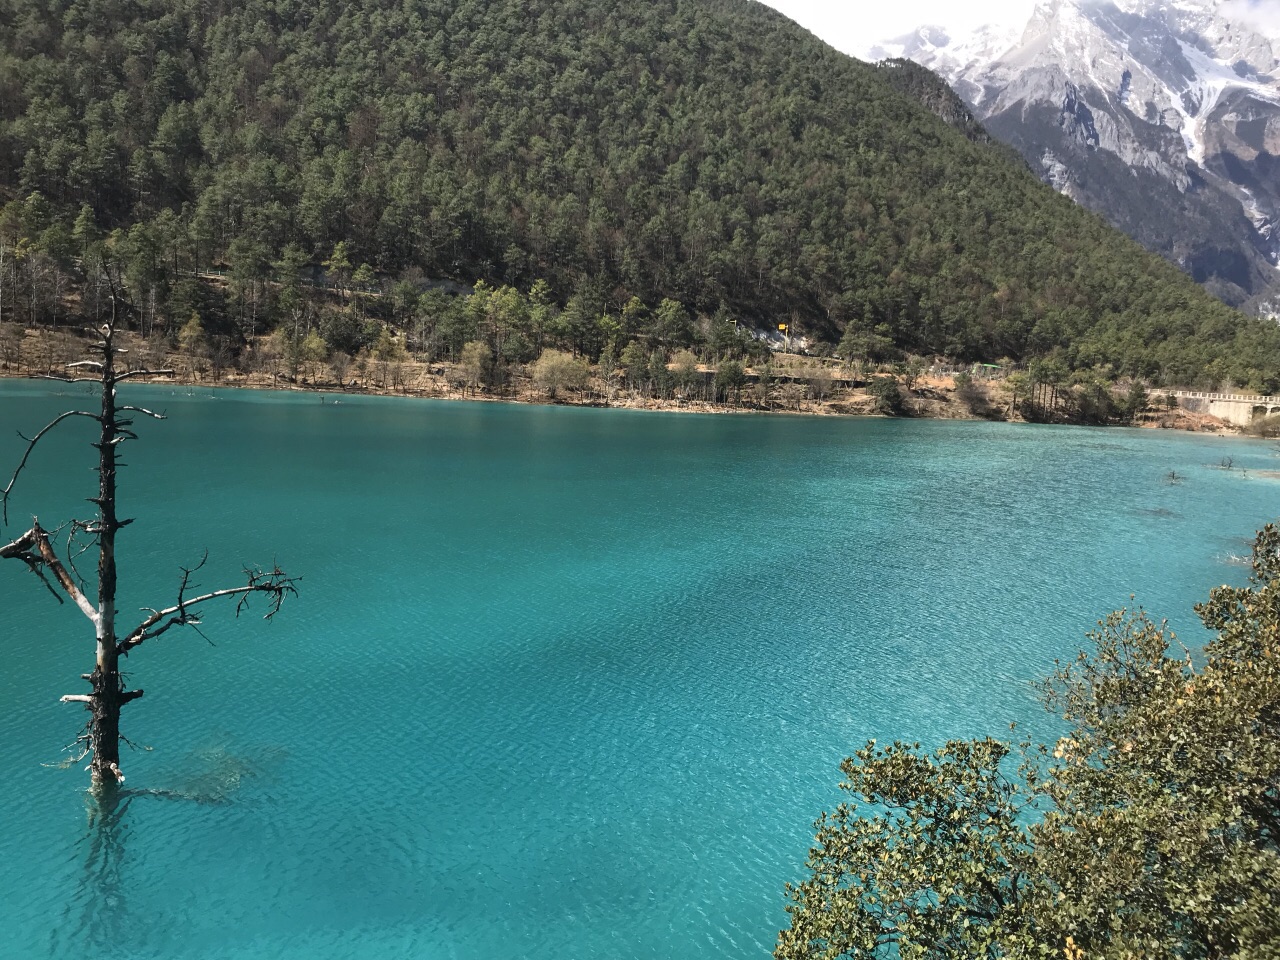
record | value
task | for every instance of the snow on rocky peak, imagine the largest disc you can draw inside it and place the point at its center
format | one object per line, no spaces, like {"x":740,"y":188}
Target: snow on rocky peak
{"x":1170,"y":61}
{"x":1186,"y":91}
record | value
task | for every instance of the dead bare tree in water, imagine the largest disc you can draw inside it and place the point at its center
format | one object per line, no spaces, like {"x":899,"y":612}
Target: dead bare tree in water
{"x":36,"y":548}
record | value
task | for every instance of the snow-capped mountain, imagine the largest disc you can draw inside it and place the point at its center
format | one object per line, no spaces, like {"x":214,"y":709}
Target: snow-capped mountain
{"x":1163,"y":115}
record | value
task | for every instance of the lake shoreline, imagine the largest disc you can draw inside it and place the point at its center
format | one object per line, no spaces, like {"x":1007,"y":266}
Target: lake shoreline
{"x":924,"y":407}
{"x":928,"y":397}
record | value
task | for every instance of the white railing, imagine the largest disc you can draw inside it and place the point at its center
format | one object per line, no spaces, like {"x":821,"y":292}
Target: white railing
{"x":1199,"y":395}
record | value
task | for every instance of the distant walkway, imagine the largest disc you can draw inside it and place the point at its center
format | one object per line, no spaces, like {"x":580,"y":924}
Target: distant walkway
{"x":1201,"y":395}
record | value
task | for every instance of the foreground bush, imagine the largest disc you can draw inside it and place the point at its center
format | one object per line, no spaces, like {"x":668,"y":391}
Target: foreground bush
{"x":1150,"y":830}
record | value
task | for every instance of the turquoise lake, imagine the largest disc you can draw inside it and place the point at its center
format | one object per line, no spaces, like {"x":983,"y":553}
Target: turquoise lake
{"x":560,"y":683}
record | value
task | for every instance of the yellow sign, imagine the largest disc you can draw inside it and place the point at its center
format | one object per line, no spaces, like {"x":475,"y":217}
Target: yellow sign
{"x":782,"y":326}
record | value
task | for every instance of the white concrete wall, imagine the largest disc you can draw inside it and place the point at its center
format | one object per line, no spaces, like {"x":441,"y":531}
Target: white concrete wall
{"x":1237,"y":410}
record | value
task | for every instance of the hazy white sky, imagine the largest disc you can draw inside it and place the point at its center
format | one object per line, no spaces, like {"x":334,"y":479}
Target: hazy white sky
{"x":1263,"y":14}
{"x":853,"y":25}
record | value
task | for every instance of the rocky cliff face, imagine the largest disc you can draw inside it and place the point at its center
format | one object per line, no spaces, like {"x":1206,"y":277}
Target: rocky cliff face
{"x":1163,"y":115}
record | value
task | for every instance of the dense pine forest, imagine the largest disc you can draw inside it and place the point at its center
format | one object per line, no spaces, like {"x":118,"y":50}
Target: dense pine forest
{"x":613,"y":170}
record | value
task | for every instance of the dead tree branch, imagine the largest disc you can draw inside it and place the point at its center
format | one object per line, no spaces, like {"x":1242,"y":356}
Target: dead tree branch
{"x":275,"y":583}
{"x":142,"y":410}
{"x":18,"y":548}
{"x":129,"y":375}
{"x":31,"y":445}
{"x":21,"y":549}
{"x":75,"y":550}
{"x":54,"y":566}
{"x":35,"y":549}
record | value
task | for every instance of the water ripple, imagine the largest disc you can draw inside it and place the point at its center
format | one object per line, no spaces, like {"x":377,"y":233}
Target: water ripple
{"x":560,"y":682}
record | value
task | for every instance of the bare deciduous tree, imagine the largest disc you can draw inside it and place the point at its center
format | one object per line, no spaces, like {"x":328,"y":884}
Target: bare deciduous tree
{"x":36,"y":549}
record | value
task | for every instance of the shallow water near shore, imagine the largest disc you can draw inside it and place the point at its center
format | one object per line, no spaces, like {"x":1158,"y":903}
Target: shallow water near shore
{"x":560,"y":682}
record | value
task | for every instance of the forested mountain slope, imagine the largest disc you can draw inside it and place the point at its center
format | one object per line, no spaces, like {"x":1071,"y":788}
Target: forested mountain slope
{"x":707,"y":151}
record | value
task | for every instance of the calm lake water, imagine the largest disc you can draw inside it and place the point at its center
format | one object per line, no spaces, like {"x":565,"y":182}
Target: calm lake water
{"x":560,"y":683}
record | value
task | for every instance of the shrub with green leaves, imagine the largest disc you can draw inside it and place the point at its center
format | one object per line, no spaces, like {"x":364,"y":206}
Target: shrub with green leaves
{"x":1150,"y":829}
{"x":887,"y":395}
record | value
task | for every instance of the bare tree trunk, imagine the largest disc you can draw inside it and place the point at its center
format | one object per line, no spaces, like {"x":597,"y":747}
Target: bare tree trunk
{"x":4,"y":250}
{"x":35,"y":548}
{"x":108,"y":689}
